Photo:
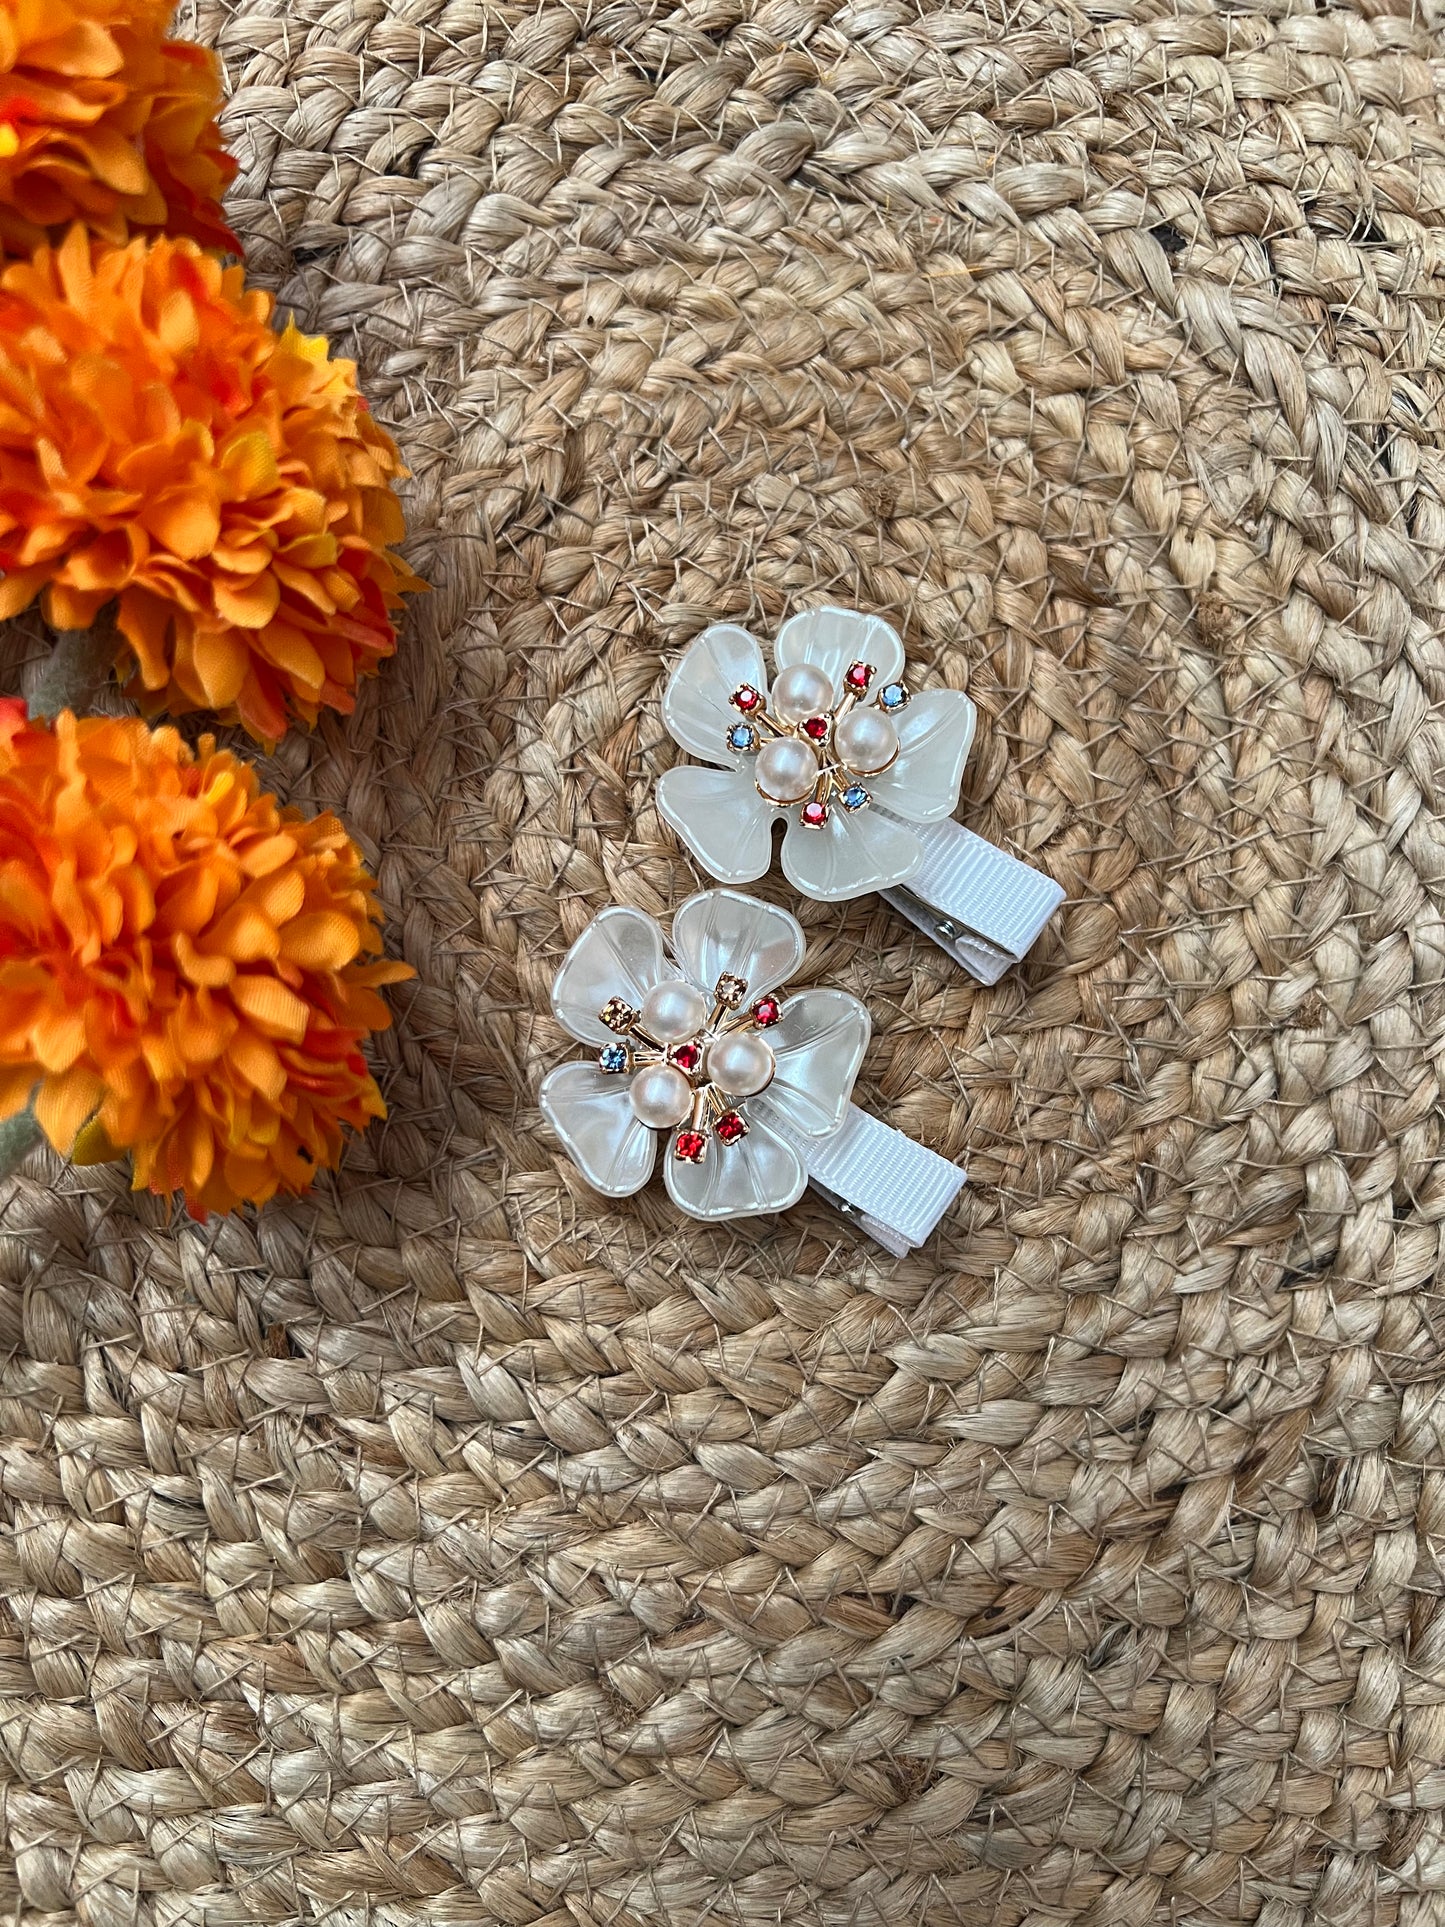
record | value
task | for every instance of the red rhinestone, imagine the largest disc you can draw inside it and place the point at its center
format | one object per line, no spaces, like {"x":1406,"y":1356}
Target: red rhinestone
{"x":815,"y":815}
{"x":690,"y":1147}
{"x":687,"y":1057}
{"x":858,"y":676}
{"x":767,"y":1010}
{"x":746,"y":698}
{"x":730,"y":1127}
{"x":816,"y":727}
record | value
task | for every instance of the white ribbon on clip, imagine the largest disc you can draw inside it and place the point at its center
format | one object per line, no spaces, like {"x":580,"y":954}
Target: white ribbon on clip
{"x":983,"y":907}
{"x":887,"y":1183}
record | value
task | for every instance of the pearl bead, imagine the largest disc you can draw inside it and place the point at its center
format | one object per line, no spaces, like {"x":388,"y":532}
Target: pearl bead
{"x":801,"y":690}
{"x":740,"y":1063}
{"x":661,"y":1096}
{"x":673,"y":1011}
{"x":865,"y":741}
{"x":786,"y":770}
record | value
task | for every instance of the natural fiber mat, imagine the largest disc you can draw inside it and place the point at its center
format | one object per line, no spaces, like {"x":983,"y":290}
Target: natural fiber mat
{"x":454,"y":1547}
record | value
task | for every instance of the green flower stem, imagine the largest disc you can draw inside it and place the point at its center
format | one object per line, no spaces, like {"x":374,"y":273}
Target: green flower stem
{"x":79,"y":664}
{"x":19,"y":1136}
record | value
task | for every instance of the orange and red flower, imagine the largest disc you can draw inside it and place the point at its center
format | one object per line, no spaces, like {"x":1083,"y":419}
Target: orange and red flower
{"x":164,"y":448}
{"x":187,"y":970}
{"x":106,"y":121}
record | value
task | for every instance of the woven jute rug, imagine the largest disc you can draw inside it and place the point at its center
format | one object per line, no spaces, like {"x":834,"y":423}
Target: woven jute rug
{"x":455,"y":1547}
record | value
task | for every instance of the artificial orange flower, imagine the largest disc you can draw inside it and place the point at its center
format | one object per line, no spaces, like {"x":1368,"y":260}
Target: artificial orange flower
{"x":106,"y":121}
{"x":187,"y":970}
{"x":162,"y":447}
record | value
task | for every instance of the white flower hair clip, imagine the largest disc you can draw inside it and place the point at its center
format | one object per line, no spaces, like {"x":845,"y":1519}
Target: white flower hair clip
{"x":864,"y":773}
{"x":748,"y":1088}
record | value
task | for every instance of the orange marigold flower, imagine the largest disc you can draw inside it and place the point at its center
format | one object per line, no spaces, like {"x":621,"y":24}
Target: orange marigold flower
{"x":106,"y":121}
{"x":187,"y":970}
{"x":164,"y":448}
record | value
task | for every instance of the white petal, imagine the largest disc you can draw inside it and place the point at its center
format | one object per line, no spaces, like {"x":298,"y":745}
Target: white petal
{"x":834,"y":638}
{"x":850,"y":855}
{"x":935,"y":734}
{"x":758,"y":1173}
{"x":721,"y":818}
{"x":723,"y":930}
{"x":819,"y":1043}
{"x":695,"y":705}
{"x":619,"y":954}
{"x":592,"y":1114}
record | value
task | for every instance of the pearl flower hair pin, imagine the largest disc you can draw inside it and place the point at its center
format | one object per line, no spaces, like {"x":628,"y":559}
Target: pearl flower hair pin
{"x":698,"y":1048}
{"x":864,"y":773}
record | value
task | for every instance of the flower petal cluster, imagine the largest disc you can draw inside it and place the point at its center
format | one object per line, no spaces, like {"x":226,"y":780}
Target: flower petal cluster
{"x":187,"y":970}
{"x":865,"y":837}
{"x":164,"y":449}
{"x":107,"y":121}
{"x":721,"y":941}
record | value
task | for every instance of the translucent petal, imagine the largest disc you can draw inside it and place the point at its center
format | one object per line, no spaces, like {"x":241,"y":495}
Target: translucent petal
{"x":619,"y":954}
{"x":592,"y":1114}
{"x":724,"y":930}
{"x":834,"y":638}
{"x":850,"y":855}
{"x":695,"y":705}
{"x":721,"y":818}
{"x":935,"y":734}
{"x":758,"y":1173}
{"x":819,"y":1043}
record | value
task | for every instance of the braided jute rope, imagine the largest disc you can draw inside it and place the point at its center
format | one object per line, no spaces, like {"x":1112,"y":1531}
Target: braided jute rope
{"x":454,"y":1548}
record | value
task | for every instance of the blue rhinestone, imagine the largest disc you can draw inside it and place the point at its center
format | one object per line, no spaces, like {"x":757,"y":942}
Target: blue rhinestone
{"x":854,"y":797}
{"x":613,"y":1057}
{"x":893,"y":696}
{"x":742,"y":736}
